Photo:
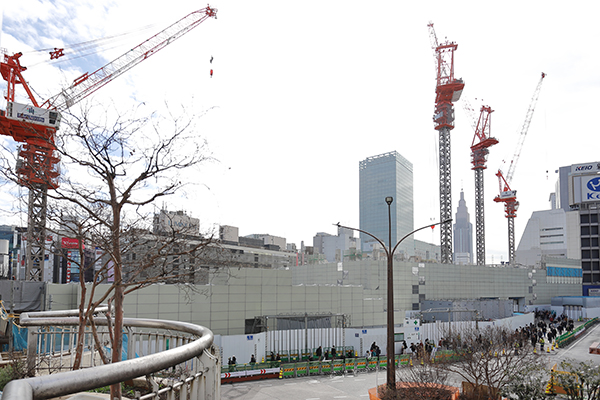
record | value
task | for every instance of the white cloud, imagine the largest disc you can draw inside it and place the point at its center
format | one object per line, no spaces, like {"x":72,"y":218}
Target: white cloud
{"x":305,"y":90}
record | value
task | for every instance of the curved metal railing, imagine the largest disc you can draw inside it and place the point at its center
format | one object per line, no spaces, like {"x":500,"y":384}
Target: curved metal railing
{"x":207,"y":368}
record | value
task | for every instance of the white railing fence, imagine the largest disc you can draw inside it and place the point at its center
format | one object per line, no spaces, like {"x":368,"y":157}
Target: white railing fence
{"x":177,"y":358}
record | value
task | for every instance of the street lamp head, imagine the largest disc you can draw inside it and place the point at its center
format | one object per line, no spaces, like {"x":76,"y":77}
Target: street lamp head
{"x":389,"y":200}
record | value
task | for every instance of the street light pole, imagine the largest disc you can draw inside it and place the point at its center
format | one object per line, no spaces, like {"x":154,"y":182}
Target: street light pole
{"x":390,"y":350}
{"x":389,"y":252}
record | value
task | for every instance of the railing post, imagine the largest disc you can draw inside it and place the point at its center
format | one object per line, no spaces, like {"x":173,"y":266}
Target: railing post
{"x":31,"y":349}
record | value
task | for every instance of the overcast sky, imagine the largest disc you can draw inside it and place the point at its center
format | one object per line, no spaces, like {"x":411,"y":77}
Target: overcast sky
{"x":302,"y":91}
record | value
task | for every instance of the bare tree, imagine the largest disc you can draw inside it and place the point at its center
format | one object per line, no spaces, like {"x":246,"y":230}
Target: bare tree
{"x":528,"y":384}
{"x":113,"y":175}
{"x":580,"y":381}
{"x":487,"y":360}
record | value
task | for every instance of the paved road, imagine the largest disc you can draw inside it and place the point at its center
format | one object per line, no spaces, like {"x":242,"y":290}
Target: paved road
{"x":355,"y":387}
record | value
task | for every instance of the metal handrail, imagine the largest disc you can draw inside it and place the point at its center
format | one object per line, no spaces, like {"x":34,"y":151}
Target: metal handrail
{"x":48,"y":386}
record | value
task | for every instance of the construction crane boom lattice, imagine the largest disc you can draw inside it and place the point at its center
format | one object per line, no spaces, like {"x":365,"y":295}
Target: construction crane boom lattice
{"x":35,"y":126}
{"x":506,"y":194}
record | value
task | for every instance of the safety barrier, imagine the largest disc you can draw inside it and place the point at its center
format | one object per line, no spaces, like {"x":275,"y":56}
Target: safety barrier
{"x":250,"y":366}
{"x":310,"y":354}
{"x":338,"y":366}
{"x":566,"y":338}
{"x":331,"y":367}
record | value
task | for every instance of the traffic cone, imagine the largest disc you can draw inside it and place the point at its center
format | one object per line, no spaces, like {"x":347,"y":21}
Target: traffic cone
{"x":411,"y":364}
{"x":495,"y":354}
{"x":548,"y":349}
{"x":263,"y":360}
{"x":534,"y":350}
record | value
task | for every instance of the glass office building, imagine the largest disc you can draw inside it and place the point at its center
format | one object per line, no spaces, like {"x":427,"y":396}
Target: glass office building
{"x":381,"y":176}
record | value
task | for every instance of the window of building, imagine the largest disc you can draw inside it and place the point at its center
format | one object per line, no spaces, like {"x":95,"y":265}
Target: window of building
{"x":594,"y":218}
{"x":585,"y":242}
{"x":415,"y":289}
{"x":584,"y":218}
{"x":586,"y":265}
{"x":585,"y":254}
{"x":415,"y":306}
{"x":585,"y":230}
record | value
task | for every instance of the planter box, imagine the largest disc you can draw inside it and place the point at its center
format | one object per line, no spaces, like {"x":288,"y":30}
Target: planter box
{"x":455,"y":392}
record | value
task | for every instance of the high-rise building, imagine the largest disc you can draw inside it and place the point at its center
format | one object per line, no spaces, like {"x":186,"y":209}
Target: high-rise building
{"x":463,"y":233}
{"x":382,"y":176}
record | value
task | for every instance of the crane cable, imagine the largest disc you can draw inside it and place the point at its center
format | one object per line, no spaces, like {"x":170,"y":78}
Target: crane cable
{"x":89,"y":47}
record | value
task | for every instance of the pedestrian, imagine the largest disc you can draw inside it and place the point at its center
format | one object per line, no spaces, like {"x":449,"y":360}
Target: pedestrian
{"x":433,"y":350}
{"x":333,"y":352}
{"x":319,"y":353}
{"x":252,"y":359}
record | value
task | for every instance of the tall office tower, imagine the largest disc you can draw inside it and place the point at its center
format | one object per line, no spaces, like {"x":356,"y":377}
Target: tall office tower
{"x":381,"y":176}
{"x":463,"y":234}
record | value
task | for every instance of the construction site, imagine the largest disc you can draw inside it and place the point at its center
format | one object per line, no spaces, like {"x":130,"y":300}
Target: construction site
{"x":259,"y":298}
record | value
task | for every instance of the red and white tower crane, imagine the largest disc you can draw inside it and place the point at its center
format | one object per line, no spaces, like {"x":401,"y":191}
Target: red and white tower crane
{"x":447,"y":91}
{"x":479,"y":152}
{"x":35,"y":125}
{"x":507,"y":195}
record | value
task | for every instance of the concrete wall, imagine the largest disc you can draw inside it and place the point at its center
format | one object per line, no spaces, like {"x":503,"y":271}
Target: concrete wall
{"x":231,"y":297}
{"x":234,"y":295}
{"x":414,"y":282}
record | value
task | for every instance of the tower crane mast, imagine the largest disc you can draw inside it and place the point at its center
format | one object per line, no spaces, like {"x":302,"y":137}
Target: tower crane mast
{"x":479,"y":151}
{"x":448,"y":90}
{"x":507,"y":195}
{"x":35,"y":126}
